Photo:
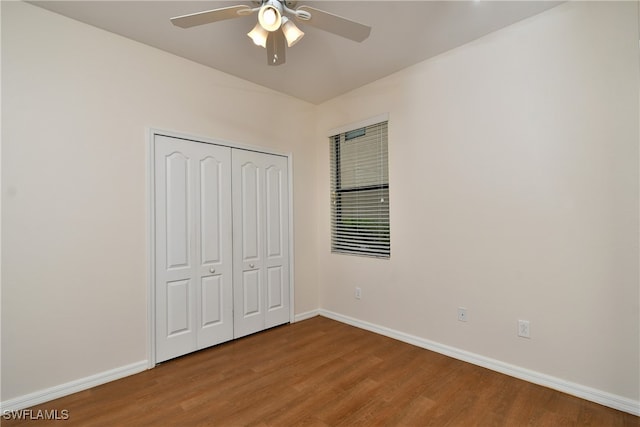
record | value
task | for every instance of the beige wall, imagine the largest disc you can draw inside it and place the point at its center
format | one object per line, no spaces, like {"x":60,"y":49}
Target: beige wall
{"x":76,"y":103}
{"x":514,"y":193}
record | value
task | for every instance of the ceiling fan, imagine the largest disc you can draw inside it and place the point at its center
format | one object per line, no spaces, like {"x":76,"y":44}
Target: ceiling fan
{"x":275,"y":28}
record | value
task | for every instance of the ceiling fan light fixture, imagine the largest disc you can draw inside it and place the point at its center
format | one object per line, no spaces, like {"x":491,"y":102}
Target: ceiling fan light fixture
{"x":292,"y":33}
{"x":270,"y":15}
{"x":258,"y":35}
{"x":275,"y":29}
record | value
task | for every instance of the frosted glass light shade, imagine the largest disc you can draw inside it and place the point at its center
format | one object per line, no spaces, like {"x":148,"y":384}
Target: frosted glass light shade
{"x":291,"y":32}
{"x":258,"y":35}
{"x":269,"y":17}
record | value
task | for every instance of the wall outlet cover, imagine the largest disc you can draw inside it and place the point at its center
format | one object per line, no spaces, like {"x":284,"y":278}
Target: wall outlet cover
{"x":523,"y":329}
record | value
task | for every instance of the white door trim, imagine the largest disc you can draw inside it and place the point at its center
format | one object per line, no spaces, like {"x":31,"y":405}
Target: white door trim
{"x":150,"y":190}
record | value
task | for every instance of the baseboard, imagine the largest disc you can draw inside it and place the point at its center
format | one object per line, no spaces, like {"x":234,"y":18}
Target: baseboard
{"x":598,"y":396}
{"x":81,"y":384}
{"x":578,"y":390}
{"x":306,"y":315}
{"x":71,"y":387}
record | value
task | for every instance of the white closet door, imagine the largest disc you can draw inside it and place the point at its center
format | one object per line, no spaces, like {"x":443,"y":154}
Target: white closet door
{"x":193,"y":232}
{"x":261,"y":241}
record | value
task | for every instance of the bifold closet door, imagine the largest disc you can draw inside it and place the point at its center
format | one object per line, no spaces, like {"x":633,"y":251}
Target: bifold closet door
{"x":193,"y":246}
{"x":261,"y":241}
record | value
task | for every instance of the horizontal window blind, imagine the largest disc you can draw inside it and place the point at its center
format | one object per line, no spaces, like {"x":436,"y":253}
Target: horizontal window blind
{"x":360,"y":192}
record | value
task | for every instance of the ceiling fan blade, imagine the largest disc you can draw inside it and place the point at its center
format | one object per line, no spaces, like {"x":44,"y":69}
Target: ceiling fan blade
{"x":276,"y":47}
{"x":209,"y":16}
{"x":336,"y":24}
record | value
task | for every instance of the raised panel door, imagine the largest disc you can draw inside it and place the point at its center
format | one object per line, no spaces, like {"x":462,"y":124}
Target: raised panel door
{"x":193,"y":266}
{"x":261,"y":275}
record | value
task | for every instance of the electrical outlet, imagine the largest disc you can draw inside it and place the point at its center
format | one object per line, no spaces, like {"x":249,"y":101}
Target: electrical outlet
{"x":358,"y":293}
{"x":462,"y":314}
{"x":523,"y":329}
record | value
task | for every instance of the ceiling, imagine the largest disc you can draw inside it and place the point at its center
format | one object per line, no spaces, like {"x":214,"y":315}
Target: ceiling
{"x":322,"y":65}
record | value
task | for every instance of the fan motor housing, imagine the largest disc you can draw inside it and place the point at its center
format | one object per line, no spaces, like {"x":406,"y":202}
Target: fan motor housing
{"x":289,"y":3}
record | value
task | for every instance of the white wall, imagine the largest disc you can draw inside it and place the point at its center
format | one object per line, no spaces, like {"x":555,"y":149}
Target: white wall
{"x":76,"y":102}
{"x":514,"y":193}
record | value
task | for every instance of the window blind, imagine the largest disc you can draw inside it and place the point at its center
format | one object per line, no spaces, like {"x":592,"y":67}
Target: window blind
{"x":360,"y":192}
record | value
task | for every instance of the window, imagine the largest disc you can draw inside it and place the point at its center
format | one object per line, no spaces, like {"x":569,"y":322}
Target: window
{"x":360,"y":192}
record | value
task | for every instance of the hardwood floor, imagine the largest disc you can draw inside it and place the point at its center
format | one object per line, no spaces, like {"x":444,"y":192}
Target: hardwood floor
{"x":320,"y":372}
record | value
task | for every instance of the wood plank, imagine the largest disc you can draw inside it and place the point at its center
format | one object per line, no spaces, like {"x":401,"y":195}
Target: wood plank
{"x":320,"y":372}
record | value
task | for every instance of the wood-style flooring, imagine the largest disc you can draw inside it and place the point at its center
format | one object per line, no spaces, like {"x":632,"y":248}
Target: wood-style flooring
{"x":320,"y":372}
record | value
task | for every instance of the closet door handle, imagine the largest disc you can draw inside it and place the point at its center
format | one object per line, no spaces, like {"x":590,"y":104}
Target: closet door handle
{"x":251,"y":265}
{"x":212,"y":270}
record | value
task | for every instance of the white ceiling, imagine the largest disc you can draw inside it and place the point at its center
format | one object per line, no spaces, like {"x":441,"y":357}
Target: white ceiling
{"x":321,"y":66}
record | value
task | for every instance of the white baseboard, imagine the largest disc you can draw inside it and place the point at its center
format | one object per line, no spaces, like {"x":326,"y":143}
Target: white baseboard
{"x":71,"y":387}
{"x":306,"y":315}
{"x":578,"y":390}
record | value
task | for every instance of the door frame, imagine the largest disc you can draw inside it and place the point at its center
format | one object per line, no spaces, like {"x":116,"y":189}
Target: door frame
{"x":151,"y":251}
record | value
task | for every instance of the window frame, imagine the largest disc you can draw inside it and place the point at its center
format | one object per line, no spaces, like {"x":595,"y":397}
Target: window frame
{"x":381,"y":229}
